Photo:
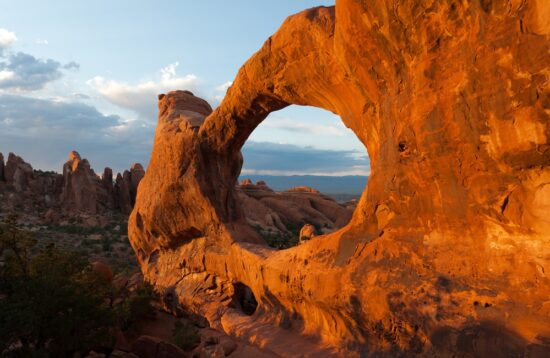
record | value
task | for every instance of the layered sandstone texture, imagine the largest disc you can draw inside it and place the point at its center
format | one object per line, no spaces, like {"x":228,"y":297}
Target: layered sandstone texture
{"x":448,"y":251}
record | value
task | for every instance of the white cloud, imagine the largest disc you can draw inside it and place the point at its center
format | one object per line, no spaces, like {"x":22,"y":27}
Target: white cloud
{"x":6,"y":75}
{"x":219,"y":92}
{"x":6,"y":38}
{"x":224,"y":86}
{"x":41,"y":42}
{"x":141,"y":98}
{"x":169,"y":71}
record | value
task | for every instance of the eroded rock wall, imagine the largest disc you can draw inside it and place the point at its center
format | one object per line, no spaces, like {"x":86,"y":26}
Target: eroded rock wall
{"x":449,"y":248}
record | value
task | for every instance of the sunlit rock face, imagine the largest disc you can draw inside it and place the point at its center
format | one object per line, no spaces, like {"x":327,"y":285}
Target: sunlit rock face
{"x":448,"y":251}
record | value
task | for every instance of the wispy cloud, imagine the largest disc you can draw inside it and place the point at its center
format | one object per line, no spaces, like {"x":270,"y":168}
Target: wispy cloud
{"x":71,"y":66}
{"x":141,"y":97}
{"x":220,"y":91}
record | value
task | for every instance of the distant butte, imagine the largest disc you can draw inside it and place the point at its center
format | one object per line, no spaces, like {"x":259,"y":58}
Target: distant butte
{"x":448,"y":251}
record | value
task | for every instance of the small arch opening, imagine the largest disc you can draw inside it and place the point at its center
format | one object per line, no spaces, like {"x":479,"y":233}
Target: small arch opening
{"x":244,"y":299}
{"x":302,"y":176}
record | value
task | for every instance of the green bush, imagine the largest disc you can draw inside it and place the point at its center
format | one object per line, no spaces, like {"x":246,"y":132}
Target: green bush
{"x":53,"y":303}
{"x":279,"y":240}
{"x":137,"y":306}
{"x":106,"y":244}
{"x":185,"y":335}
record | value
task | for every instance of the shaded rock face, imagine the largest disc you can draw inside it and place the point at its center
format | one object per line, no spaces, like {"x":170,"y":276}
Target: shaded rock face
{"x":2,"y":167}
{"x":126,"y":187}
{"x":449,"y":247}
{"x":80,"y":185}
{"x":18,"y":172}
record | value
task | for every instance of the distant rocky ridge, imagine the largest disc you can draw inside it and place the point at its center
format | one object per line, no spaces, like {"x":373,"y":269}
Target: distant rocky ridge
{"x":287,"y":211}
{"x":78,"y":191}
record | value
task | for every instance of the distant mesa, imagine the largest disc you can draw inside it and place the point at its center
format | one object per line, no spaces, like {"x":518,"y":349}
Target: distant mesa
{"x":305,"y":189}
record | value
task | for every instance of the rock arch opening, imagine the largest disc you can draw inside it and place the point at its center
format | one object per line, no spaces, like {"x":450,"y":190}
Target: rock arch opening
{"x":302,"y":176}
{"x":244,"y":299}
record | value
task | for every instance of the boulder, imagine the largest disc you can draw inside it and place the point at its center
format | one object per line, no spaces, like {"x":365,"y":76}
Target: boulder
{"x":122,"y":354}
{"x":153,"y":347}
{"x":103,"y":270}
{"x":307,"y":232}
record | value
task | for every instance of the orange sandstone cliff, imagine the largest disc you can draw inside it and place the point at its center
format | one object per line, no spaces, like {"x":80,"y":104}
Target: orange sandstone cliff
{"x":448,"y":251}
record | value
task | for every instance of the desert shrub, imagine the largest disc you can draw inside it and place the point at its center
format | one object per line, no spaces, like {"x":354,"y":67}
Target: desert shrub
{"x":137,"y":306}
{"x":106,"y":243}
{"x":75,"y":229}
{"x":52,"y":302}
{"x":185,"y":335}
{"x":279,"y":241}
{"x":124,"y":228}
{"x":87,"y":242}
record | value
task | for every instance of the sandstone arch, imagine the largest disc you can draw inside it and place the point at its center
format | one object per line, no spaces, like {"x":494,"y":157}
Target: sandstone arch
{"x":449,"y":248}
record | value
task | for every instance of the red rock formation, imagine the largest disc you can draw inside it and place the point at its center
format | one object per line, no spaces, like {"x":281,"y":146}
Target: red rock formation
{"x":2,"y":167}
{"x":18,"y":173}
{"x":122,"y":193}
{"x":448,"y":250}
{"x":136,"y":174}
{"x":79,"y":185}
{"x":79,"y":191}
{"x":126,"y":187}
{"x":107,"y":180}
{"x":84,"y":191}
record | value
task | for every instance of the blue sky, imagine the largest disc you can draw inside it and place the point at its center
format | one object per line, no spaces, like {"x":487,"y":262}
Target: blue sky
{"x":85,"y":75}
